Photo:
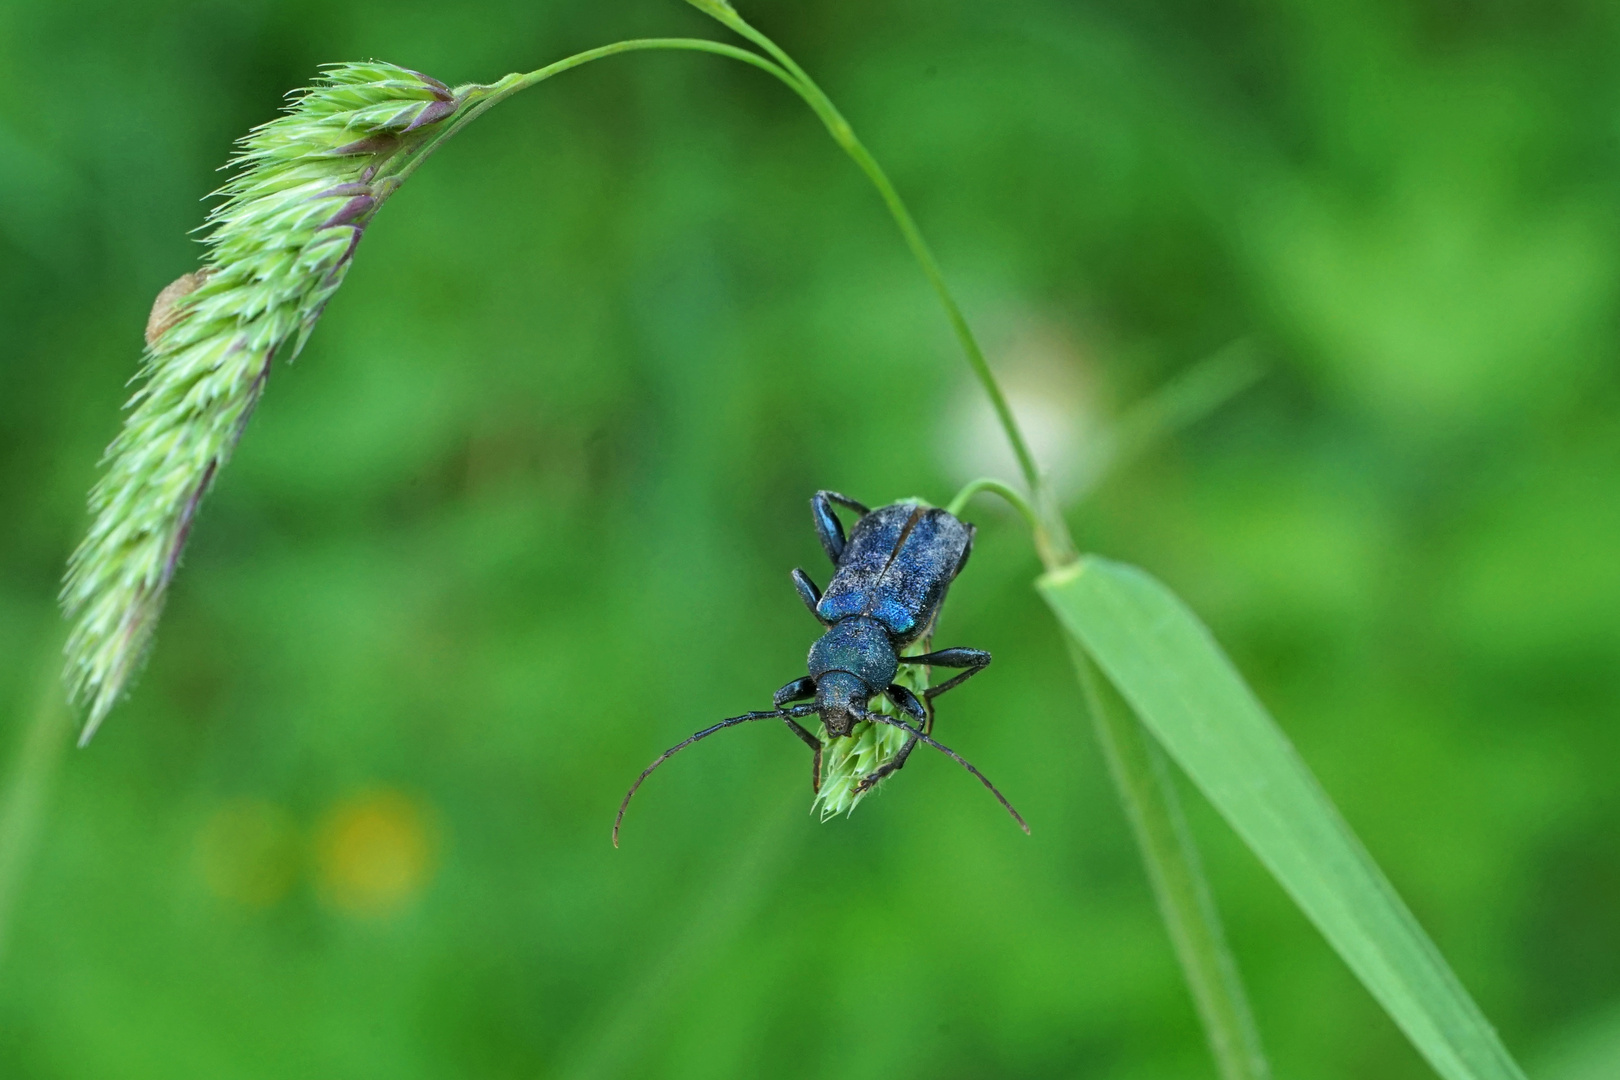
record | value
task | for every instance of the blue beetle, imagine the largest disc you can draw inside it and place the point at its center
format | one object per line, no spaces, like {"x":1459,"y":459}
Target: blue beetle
{"x":891,"y":574}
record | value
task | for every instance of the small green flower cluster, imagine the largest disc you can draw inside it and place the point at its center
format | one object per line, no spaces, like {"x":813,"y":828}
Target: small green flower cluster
{"x":279,"y":244}
{"x":846,"y":762}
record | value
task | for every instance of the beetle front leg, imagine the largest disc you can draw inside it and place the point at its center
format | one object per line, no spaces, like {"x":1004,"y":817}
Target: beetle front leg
{"x":815,"y":748}
{"x":797,"y":690}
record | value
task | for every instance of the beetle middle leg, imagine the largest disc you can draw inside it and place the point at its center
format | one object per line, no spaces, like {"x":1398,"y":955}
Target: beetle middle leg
{"x":975,"y":660}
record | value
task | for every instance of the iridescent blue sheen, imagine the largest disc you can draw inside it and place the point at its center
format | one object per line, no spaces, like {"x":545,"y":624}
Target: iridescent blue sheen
{"x":896,"y":567}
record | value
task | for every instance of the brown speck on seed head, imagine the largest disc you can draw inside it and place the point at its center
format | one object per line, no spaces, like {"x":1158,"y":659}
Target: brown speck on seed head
{"x":166,"y":310}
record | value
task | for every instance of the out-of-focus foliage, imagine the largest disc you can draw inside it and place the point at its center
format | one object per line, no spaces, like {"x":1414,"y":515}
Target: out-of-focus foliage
{"x":521,"y":516}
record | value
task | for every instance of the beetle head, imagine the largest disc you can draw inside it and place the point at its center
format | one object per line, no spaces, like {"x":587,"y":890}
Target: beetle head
{"x":841,"y":700}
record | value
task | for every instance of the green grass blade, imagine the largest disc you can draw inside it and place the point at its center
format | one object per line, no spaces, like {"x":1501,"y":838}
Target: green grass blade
{"x":1187,"y":693}
{"x":1142,"y":776}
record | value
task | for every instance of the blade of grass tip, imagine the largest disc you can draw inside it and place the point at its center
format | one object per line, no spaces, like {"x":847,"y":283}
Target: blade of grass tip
{"x":28,"y":784}
{"x":1177,"y":876}
{"x":1182,"y":687}
{"x":607,"y":1049}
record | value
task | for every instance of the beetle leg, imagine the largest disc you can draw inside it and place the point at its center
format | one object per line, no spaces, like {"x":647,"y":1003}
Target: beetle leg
{"x":829,"y":530}
{"x":906,"y":701}
{"x":975,"y":660}
{"x":809,"y":593}
{"x":928,"y":702}
{"x":842,"y":500}
{"x":887,"y":768}
{"x":797,"y":690}
{"x":815,"y":746}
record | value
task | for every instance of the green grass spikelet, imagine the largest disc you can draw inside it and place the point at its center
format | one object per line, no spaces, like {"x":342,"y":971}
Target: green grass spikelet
{"x":279,"y":244}
{"x":847,"y":761}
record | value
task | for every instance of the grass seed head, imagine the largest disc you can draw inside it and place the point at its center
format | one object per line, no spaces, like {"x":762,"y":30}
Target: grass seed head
{"x":848,"y":761}
{"x":303,"y":189}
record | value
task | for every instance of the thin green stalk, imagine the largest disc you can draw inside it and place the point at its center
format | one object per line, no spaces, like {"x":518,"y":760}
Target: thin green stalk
{"x":1052,"y":536}
{"x":1189,"y":912}
{"x":1142,"y":774}
{"x":1006,"y":491}
{"x":844,"y":136}
{"x":486,"y":97}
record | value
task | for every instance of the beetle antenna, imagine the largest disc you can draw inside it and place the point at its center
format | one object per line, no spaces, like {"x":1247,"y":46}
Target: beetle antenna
{"x":774,"y":714}
{"x":885,"y":718}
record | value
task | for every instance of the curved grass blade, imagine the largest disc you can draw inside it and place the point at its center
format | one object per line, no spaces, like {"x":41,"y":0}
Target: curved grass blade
{"x":1169,"y":668}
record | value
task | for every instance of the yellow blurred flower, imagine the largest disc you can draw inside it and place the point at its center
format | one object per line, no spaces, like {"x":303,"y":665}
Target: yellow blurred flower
{"x":374,"y":853}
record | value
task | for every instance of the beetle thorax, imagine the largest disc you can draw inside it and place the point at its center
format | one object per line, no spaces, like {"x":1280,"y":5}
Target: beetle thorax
{"x":851,"y":662}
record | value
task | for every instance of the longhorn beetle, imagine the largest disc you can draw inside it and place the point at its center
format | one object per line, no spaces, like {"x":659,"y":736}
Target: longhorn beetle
{"x":891,"y":576}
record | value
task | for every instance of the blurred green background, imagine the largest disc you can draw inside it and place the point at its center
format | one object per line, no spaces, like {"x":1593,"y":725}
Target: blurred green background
{"x":522,"y":514}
